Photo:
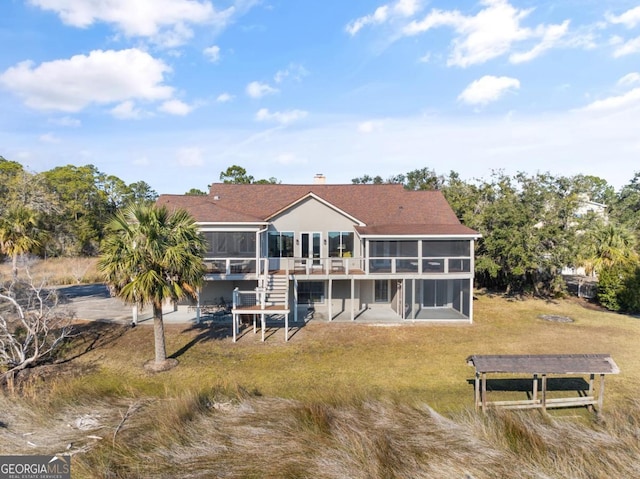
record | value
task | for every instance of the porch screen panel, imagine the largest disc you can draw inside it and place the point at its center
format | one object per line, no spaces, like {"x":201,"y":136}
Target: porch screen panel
{"x":435,"y":293}
{"x":452,"y":248}
{"x":390,"y":249}
{"x":230,"y":244}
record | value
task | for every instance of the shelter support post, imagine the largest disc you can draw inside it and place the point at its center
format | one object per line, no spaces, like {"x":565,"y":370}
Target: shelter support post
{"x":544,"y":393}
{"x":601,"y":394}
{"x":484,"y":392}
{"x":535,"y":388}
{"x":477,"y":390}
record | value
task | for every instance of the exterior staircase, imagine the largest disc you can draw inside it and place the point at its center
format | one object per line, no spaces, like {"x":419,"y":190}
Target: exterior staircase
{"x":276,"y":288}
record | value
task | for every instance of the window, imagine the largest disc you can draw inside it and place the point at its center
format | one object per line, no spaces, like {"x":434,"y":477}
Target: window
{"x":281,"y":244}
{"x":311,"y":292}
{"x":230,"y":244}
{"x":340,"y":244}
{"x":381,"y":291}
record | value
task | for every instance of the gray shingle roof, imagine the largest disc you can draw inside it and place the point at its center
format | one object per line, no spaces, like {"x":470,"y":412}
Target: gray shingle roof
{"x":545,"y":364}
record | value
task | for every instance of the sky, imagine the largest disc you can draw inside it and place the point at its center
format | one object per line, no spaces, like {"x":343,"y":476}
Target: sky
{"x":172,"y":92}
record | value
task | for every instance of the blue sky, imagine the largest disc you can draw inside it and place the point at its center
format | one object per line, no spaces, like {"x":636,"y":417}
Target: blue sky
{"x":174,"y":91}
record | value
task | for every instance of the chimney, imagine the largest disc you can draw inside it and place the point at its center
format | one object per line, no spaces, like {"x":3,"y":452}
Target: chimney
{"x":319,"y":179}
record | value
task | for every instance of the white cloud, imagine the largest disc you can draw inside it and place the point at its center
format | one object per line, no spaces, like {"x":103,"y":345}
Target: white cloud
{"x":66,"y":121}
{"x":101,"y":77}
{"x":369,"y":126}
{"x":293,"y":71}
{"x":627,"y":48}
{"x":176,"y":107}
{"x":487,"y":89}
{"x":550,"y":38}
{"x":384,"y":13}
{"x":282,"y":117}
{"x":257,"y":90}
{"x":613,"y":103}
{"x":490,"y":33}
{"x":629,"y":19}
{"x":425,"y":58}
{"x":127,"y":111}
{"x":212,"y":53}
{"x":224,"y":97}
{"x":190,"y":157}
{"x":165,"y":21}
{"x":49,"y":138}
{"x":629,"y":79}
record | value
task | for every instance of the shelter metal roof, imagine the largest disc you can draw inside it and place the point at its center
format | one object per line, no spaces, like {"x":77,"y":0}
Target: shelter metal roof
{"x":545,"y":364}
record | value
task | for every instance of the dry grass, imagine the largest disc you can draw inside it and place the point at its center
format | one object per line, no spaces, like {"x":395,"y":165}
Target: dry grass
{"x":335,"y":362}
{"x":57,"y":271}
{"x":231,"y":435}
{"x":338,"y":400}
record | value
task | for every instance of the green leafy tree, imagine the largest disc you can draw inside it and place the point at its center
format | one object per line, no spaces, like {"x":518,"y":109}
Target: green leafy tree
{"x":195,"y":192}
{"x":150,"y":256}
{"x":141,"y":192}
{"x":626,"y":208}
{"x":423,"y":179}
{"x":528,"y":232}
{"x":238,"y":175}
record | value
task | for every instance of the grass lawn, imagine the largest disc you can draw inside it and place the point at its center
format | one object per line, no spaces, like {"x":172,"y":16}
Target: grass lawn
{"x":338,"y":400}
{"x":339,"y":361}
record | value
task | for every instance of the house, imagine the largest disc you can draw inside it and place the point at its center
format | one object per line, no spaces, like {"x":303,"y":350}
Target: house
{"x":336,"y":251}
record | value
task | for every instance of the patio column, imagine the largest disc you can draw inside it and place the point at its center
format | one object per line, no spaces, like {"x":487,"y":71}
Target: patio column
{"x":198,"y":306}
{"x":353,"y":293}
{"x":414,"y":304}
{"x":295,"y":299}
{"x":330,"y":294}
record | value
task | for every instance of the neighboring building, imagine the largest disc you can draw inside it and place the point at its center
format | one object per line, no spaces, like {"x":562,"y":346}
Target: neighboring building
{"x":341,"y":251}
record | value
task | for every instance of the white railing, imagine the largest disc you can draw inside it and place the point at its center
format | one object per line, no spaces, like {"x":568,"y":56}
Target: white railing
{"x":339,"y":266}
{"x":427,"y":265}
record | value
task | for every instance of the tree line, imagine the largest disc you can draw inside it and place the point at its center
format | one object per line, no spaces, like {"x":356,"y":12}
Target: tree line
{"x":534,"y":225}
{"x":531,"y":225}
{"x":63,"y":211}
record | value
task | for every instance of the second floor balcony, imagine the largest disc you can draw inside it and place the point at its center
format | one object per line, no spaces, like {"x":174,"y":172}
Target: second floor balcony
{"x":248,"y":267}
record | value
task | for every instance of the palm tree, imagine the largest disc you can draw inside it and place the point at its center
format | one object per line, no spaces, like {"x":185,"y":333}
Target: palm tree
{"x":152,"y":255}
{"x":18,"y":234}
{"x":607,"y":246}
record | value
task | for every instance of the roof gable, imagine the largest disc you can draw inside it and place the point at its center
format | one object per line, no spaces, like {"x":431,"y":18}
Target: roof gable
{"x":312,"y":195}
